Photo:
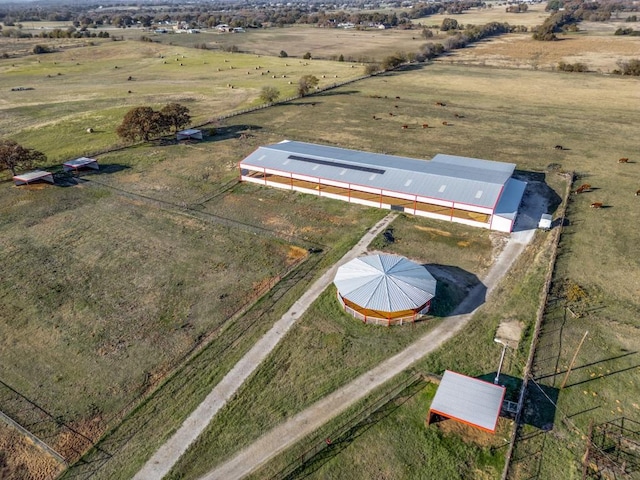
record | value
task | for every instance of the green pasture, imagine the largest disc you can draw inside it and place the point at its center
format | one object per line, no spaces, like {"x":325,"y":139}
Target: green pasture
{"x":138,"y":251}
{"x":89,"y":87}
{"x":324,"y":350}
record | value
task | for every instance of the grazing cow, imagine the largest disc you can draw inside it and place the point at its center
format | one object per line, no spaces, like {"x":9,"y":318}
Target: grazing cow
{"x":441,"y":104}
{"x":559,"y":147}
{"x":374,"y":117}
{"x":405,"y":127}
{"x":457,"y":115}
{"x":396,"y":106}
{"x":391,"y":114}
{"x":623,"y":160}
{"x":425,"y":125}
{"x":637,"y":193}
{"x":445,"y":124}
{"x":596,"y":205}
{"x":397,"y":98}
{"x":583,"y":188}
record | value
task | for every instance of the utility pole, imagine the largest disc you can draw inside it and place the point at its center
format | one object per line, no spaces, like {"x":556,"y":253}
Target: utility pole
{"x":573,"y":360}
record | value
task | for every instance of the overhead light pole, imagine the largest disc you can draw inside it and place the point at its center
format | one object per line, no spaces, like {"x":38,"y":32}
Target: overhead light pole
{"x":504,"y":349}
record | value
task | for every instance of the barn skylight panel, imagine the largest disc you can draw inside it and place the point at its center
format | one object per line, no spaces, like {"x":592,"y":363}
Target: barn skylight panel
{"x":315,"y":167}
{"x":408,"y":182}
{"x":343,"y":171}
{"x":261,"y":158}
{"x":286,"y":161}
{"x":478,"y":193}
{"x":442,"y":188}
{"x":372,"y":176}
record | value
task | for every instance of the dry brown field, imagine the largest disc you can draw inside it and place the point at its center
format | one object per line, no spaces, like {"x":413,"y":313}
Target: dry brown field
{"x":535,"y":15}
{"x":600,"y":53}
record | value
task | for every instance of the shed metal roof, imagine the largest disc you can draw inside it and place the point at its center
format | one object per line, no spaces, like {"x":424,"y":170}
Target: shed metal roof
{"x":456,"y":179}
{"x":34,"y":175}
{"x":468,"y":400}
{"x":387,"y":283}
{"x":80,"y":162}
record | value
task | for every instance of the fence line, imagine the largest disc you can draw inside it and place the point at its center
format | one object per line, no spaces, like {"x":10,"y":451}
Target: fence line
{"x":517,"y":424}
{"x":41,"y":443}
{"x":319,"y":443}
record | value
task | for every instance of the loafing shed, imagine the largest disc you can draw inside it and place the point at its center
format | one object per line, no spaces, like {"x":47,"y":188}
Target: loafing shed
{"x":34,"y":176}
{"x":82,"y":162}
{"x":475,"y":192}
{"x":385,"y":289}
{"x":468,"y":400}
{"x":189,"y":134}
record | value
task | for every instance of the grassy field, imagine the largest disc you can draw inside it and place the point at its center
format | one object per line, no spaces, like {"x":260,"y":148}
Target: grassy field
{"x":64,"y":102}
{"x":599,"y":52}
{"x":535,"y":15}
{"x":100,"y":247}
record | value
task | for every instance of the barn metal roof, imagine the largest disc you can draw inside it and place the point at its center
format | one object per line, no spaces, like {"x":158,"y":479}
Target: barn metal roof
{"x":468,"y":400}
{"x":457,"y":179}
{"x":387,"y":283}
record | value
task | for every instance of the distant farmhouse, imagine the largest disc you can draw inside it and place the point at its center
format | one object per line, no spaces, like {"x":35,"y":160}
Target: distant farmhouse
{"x":480,"y":193}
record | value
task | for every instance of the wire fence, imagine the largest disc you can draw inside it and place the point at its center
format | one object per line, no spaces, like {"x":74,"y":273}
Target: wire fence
{"x":516,"y":432}
{"x":322,"y":443}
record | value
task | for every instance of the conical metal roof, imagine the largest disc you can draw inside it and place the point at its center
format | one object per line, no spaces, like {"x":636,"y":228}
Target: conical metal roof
{"x":383,"y":282}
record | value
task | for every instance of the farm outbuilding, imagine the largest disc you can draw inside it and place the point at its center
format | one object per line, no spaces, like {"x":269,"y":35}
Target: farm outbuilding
{"x":475,"y":192}
{"x":189,"y":134}
{"x":82,"y":162}
{"x":468,"y":400}
{"x":385,"y":289}
{"x":34,"y":176}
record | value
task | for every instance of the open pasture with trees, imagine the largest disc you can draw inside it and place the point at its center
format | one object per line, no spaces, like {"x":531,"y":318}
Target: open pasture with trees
{"x":62,"y":234}
{"x":67,"y":92}
{"x":598,"y":52}
{"x":509,"y":115}
{"x":534,"y":15}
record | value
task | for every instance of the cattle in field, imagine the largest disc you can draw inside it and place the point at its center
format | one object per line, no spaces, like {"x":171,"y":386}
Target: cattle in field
{"x":397,"y":98}
{"x":374,"y":117}
{"x":583,"y":188}
{"x":445,"y":124}
{"x":623,"y":160}
{"x":596,"y":205}
{"x":441,"y":104}
{"x":457,"y":115}
{"x":391,"y":114}
{"x":559,"y":147}
{"x":425,"y":125}
{"x":637,"y":193}
{"x":405,"y":127}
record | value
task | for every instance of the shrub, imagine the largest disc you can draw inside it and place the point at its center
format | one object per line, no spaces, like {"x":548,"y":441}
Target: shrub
{"x":283,"y":54}
{"x":38,"y":49}
{"x":307,"y":56}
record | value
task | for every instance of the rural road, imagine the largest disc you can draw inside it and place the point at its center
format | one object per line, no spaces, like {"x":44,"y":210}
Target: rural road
{"x":309,"y":420}
{"x":168,"y":454}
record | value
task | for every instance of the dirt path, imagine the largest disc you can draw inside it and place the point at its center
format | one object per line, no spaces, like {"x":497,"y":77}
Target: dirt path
{"x":304,"y":423}
{"x":167,"y":455}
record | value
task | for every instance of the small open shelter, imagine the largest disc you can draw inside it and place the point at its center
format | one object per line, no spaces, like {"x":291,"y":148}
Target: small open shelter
{"x":34,"y":176}
{"x":189,"y":134}
{"x":78,"y":163}
{"x":468,"y":400}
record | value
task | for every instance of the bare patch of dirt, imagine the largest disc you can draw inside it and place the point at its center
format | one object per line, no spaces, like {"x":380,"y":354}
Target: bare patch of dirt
{"x":433,"y":231}
{"x":510,"y":331}
{"x":20,"y":459}
{"x":295,"y":254}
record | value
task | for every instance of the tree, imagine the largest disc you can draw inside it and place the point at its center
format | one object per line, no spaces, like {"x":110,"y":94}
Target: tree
{"x":306,"y":83}
{"x":14,"y":156}
{"x":449,"y":24}
{"x":141,"y":123}
{"x":176,"y":115}
{"x":283,"y":54}
{"x":269,"y":94}
{"x":307,"y":56}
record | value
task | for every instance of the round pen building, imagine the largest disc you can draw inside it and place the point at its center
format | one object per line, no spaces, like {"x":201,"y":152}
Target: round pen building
{"x":385,"y":289}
